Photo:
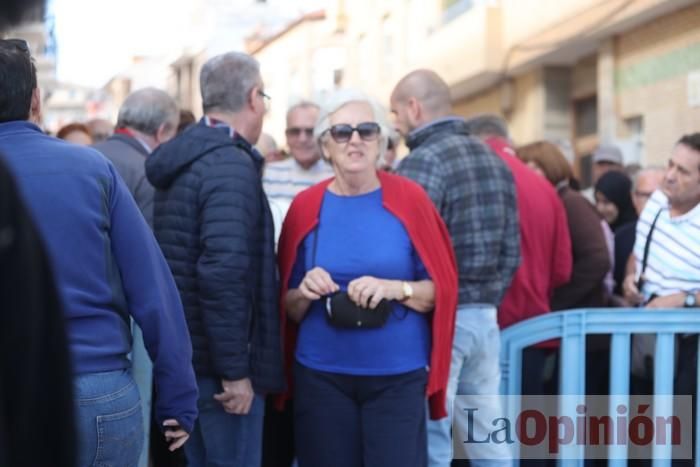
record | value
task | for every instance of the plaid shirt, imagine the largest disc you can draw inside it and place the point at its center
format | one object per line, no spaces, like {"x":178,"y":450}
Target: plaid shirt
{"x":474,"y":192}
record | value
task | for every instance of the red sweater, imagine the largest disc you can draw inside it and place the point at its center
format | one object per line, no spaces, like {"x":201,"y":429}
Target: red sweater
{"x":410,"y":204}
{"x":545,"y":243}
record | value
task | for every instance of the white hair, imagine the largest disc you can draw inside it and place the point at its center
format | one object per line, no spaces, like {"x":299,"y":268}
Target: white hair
{"x":657,"y":169}
{"x":343,"y":97}
{"x":301,"y":104}
{"x":147,"y":109}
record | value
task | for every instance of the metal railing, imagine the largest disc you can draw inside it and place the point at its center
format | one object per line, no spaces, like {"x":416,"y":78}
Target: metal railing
{"x":572,"y":327}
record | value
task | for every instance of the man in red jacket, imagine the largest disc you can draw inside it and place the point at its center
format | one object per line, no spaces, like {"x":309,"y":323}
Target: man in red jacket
{"x":545,"y":245}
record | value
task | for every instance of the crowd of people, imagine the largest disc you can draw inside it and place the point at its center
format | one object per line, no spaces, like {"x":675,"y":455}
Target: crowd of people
{"x":323,"y":306}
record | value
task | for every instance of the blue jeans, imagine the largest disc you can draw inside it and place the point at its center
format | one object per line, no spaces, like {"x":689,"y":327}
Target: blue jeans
{"x":220,"y":439}
{"x":474,"y":371}
{"x":110,"y":423}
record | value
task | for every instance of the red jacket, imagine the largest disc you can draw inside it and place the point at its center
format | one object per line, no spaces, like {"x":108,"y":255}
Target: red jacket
{"x":545,"y":243}
{"x":410,"y":204}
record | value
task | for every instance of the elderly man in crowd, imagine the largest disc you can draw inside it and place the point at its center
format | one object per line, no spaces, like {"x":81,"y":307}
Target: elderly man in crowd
{"x":214,"y":225}
{"x":147,"y":118}
{"x":284,"y":179}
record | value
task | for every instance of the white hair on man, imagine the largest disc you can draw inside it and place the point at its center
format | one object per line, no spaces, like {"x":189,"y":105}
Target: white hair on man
{"x":147,"y":110}
{"x":652,"y":169}
{"x":301,"y":104}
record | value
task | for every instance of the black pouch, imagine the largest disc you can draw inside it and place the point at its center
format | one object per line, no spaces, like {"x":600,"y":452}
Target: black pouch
{"x":341,"y":312}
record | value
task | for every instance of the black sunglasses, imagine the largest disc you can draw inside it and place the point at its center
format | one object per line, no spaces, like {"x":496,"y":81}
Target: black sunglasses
{"x":342,"y":133}
{"x":295,"y":132}
{"x":19,"y":44}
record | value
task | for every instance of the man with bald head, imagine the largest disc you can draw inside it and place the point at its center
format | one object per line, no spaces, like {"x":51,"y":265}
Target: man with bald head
{"x":475,"y":194}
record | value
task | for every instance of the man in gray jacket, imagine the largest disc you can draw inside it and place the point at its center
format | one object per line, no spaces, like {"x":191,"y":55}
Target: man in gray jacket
{"x":148,"y":118}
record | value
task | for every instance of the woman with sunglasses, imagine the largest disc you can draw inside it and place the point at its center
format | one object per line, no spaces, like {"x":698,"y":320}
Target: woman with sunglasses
{"x":375,"y":239}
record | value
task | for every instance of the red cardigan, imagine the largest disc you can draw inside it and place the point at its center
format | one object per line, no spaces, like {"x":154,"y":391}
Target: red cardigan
{"x":410,"y":204}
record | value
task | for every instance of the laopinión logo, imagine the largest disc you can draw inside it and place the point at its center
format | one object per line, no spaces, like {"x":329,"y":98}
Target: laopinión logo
{"x":572,"y":427}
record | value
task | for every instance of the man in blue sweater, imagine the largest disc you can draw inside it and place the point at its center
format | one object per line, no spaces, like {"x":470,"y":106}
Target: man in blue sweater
{"x":108,"y":267}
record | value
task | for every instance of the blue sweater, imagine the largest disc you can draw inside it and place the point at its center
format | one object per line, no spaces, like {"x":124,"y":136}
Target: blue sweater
{"x":357,"y":236}
{"x":107,"y":263}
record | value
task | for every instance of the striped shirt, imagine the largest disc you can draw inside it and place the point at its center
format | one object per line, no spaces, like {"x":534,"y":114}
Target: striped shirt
{"x":284,"y":179}
{"x":673,"y":264}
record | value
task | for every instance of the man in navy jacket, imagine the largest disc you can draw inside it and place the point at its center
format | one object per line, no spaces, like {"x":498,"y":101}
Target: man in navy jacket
{"x":213,"y":222}
{"x":108,"y":267}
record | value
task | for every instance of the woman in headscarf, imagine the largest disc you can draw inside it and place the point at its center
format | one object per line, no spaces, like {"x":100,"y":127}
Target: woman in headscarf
{"x":613,"y":195}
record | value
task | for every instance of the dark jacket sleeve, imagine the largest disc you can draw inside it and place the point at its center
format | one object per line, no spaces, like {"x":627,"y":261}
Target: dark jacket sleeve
{"x":590,"y":254}
{"x":230,"y":210}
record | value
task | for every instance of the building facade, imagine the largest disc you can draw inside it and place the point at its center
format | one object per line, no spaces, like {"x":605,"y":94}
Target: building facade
{"x":578,"y":71}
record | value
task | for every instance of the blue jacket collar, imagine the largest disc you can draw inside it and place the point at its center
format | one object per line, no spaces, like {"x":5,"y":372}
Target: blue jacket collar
{"x":18,"y":125}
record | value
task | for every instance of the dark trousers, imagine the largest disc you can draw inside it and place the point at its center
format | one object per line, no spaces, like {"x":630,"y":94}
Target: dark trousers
{"x":160,"y":454}
{"x":536,"y":381}
{"x":360,"y":421}
{"x":278,"y":435}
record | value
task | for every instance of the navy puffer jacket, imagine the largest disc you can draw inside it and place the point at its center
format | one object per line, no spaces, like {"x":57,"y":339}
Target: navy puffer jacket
{"x":214,"y":225}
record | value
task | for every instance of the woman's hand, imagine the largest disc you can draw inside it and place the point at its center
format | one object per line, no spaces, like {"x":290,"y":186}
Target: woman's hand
{"x":368,"y":291}
{"x":317,"y":283}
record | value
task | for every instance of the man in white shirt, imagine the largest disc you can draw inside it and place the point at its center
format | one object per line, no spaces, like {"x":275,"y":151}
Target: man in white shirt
{"x":671,"y":278}
{"x":284,"y":179}
{"x":667,"y":254}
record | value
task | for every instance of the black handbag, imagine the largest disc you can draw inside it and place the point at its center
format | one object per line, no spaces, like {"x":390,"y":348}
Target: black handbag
{"x":342,"y":312}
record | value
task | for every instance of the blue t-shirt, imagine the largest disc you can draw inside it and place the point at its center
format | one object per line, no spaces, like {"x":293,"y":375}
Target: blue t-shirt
{"x":358,"y":237}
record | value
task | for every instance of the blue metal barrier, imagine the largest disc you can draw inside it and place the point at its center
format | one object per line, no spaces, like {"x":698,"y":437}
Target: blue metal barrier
{"x":572,"y":327}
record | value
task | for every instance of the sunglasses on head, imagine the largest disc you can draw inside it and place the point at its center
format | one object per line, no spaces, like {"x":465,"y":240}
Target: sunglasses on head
{"x":342,"y":133}
{"x":295,"y":132}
